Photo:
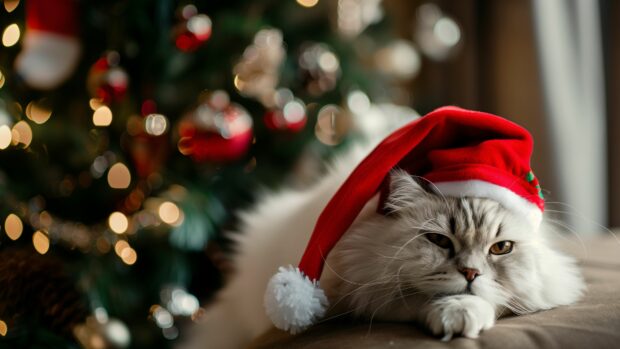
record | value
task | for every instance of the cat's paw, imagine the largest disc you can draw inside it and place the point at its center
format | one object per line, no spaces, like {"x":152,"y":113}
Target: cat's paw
{"x":463,"y":314}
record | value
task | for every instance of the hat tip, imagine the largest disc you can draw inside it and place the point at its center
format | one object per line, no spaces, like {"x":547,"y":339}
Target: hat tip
{"x":294,"y":302}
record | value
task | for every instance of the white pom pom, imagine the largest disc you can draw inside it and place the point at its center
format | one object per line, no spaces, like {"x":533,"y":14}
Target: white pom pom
{"x":293,"y":301}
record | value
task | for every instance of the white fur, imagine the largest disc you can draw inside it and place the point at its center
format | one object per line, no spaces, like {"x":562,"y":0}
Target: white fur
{"x":292,"y":301}
{"x":384,"y":268}
{"x":506,"y":197}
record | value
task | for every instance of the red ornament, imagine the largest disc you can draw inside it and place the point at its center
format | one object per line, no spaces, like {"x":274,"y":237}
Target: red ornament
{"x":193,"y":31}
{"x":291,"y":118}
{"x":106,"y":80}
{"x":216,"y":135}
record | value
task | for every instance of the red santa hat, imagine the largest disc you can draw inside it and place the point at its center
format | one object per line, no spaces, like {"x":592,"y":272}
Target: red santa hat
{"x":463,"y":153}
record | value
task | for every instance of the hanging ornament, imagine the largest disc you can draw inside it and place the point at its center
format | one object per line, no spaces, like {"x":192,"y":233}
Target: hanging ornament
{"x":288,"y":115}
{"x":437,"y":34}
{"x":332,"y":125}
{"x":353,"y":16}
{"x":399,"y":60}
{"x":147,"y":144}
{"x":51,"y":46}
{"x":106,"y":80}
{"x":319,"y":68}
{"x":216,"y":131}
{"x":257,"y":72}
{"x":193,"y":30}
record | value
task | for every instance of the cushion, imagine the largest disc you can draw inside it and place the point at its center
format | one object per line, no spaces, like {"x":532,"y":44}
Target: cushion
{"x":594,"y":322}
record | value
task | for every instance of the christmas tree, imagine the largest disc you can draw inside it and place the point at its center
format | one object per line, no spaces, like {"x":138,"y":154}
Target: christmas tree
{"x":131,"y":132}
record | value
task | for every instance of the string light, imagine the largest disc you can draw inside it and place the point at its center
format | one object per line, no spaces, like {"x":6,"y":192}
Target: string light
{"x":119,"y":176}
{"x":38,"y":112}
{"x":155,"y":124}
{"x":169,"y":212}
{"x":129,"y":256}
{"x":118,"y":222}
{"x":21,"y":133}
{"x":308,"y":3}
{"x":13,"y":226}
{"x":10,"y":5}
{"x":11,"y":35}
{"x":41,"y":242}
{"x":5,"y":137}
{"x":102,"y":116}
{"x":120,"y":246}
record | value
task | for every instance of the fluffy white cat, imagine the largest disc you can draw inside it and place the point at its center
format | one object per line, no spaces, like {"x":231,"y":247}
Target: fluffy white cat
{"x":452,"y":265}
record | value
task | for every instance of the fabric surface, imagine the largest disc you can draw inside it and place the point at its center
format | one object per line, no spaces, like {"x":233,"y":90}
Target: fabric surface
{"x":594,"y":322}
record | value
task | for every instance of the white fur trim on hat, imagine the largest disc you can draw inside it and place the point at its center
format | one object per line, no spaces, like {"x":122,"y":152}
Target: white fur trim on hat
{"x":482,"y":189}
{"x":294,"y":302}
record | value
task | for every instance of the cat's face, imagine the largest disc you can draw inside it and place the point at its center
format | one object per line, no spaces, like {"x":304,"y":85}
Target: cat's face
{"x":431,"y":246}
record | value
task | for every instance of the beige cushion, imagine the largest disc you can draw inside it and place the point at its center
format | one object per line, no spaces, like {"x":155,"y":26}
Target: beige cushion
{"x":594,"y":322}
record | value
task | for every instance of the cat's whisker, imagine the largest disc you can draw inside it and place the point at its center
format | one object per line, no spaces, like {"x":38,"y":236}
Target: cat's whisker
{"x":576,"y":213}
{"x":573,"y":232}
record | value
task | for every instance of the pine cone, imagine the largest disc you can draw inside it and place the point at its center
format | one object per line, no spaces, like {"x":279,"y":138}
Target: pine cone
{"x":35,"y":290}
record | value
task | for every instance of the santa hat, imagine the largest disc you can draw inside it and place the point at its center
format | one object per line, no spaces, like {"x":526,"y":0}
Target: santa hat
{"x":51,"y":47}
{"x":463,"y":153}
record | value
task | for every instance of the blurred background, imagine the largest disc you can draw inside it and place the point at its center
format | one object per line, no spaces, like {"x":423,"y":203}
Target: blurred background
{"x":132,"y":132}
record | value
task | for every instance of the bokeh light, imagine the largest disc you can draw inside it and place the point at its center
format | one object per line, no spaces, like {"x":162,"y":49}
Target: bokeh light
{"x":3,"y":328}
{"x":41,"y":242}
{"x":5,"y":136}
{"x":169,"y":213}
{"x":10,"y":5}
{"x":118,"y":222}
{"x":102,"y":116}
{"x":10,"y":36}
{"x":38,"y":112}
{"x":119,"y":176}
{"x":155,"y":124}
{"x":308,"y":3}
{"x":21,"y":133}
{"x":13,"y":226}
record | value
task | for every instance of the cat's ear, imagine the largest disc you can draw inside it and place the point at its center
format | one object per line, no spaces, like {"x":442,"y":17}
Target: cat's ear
{"x":405,"y":190}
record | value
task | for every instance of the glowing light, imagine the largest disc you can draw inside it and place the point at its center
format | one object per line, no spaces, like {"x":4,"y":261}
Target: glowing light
{"x":155,"y":124}
{"x":11,"y":35}
{"x":169,"y":212}
{"x":120,"y":246}
{"x":2,"y":79}
{"x":102,"y":116}
{"x":332,"y":125}
{"x":119,"y":176}
{"x":41,"y":242}
{"x":38,"y":112}
{"x":13,"y":226}
{"x":294,"y":112}
{"x":118,"y":222}
{"x":3,"y":328}
{"x":308,"y":3}
{"x":358,"y":102}
{"x":129,"y":256}
{"x":162,"y":317}
{"x":45,"y":219}
{"x":329,"y":62}
{"x":447,"y":31}
{"x":95,"y":103}
{"x":10,"y":5}
{"x":5,"y":136}
{"x":22,"y":133}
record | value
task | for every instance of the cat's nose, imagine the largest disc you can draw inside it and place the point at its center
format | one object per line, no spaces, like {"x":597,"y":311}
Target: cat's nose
{"x":469,"y":273}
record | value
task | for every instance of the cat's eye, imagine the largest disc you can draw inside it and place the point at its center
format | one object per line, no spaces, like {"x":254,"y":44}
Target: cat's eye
{"x":501,"y":247}
{"x":439,"y":240}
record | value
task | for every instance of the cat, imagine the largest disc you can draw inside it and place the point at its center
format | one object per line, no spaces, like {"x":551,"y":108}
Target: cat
{"x":453,"y":265}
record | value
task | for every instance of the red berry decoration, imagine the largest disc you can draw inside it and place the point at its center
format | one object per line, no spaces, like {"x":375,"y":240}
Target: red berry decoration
{"x":193,"y":31}
{"x":216,"y":133}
